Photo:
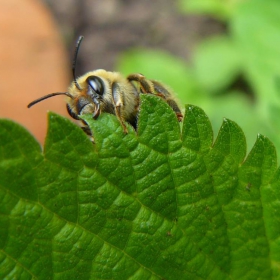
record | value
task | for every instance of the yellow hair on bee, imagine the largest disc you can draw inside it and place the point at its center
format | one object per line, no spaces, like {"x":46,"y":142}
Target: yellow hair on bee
{"x":104,"y":91}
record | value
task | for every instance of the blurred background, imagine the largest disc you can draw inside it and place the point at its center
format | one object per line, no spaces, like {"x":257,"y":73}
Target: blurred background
{"x":222,"y":55}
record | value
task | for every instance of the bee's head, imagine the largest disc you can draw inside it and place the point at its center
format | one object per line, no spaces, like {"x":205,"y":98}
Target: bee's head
{"x":87,"y":97}
{"x":85,"y":100}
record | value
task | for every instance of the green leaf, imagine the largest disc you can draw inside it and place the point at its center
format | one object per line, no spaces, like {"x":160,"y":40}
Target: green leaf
{"x":153,"y":204}
{"x":255,"y":29}
{"x":249,"y":51}
{"x":217,"y":63}
{"x":221,"y":9}
{"x":161,"y":66}
{"x":236,"y":106}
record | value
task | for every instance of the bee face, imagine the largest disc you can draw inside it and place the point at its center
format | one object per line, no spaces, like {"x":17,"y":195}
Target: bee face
{"x":87,"y":98}
{"x":104,"y":91}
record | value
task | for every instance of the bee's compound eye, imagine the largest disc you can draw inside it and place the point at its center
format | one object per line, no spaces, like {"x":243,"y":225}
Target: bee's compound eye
{"x":96,"y":84}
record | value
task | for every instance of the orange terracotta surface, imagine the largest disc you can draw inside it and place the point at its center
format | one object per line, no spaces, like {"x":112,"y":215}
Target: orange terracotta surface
{"x":33,"y":64}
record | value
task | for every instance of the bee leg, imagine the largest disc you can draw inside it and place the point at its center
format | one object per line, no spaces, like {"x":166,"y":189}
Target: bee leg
{"x":175,"y":108}
{"x":145,"y":85}
{"x":118,"y":102}
{"x":96,"y":113}
{"x":165,"y":94}
{"x":87,"y":130}
{"x":71,"y":112}
{"x":154,"y":87}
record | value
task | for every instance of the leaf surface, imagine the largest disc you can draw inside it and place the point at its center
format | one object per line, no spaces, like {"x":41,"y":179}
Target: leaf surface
{"x":156,"y":204}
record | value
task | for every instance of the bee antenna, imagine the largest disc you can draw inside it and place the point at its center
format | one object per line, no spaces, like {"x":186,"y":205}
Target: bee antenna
{"x":48,"y":96}
{"x":75,"y":60}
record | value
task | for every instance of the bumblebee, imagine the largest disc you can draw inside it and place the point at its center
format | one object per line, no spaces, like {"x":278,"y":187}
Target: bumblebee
{"x":103,"y":91}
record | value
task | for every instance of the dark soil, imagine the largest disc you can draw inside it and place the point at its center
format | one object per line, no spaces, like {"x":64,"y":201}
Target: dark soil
{"x":112,"y":26}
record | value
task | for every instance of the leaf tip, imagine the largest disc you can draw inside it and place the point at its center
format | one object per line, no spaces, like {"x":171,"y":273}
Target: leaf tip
{"x":261,"y":136}
{"x":53,"y":116}
{"x":189,"y":107}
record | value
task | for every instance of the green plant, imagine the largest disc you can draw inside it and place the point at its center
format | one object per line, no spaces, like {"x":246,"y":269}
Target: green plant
{"x":222,"y":9}
{"x":157,"y":204}
{"x":164,"y":202}
{"x":247,"y":54}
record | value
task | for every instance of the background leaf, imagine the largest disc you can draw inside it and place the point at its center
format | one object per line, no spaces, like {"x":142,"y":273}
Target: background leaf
{"x":217,"y":64}
{"x":255,"y":28}
{"x":222,"y":9}
{"x":163,"y":67}
{"x":233,"y":75}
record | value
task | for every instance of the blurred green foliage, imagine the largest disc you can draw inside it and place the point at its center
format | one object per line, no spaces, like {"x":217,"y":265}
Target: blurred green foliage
{"x":235,"y":75}
{"x":221,"y":9}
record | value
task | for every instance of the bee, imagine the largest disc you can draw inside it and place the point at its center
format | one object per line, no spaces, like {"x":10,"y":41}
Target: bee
{"x":104,"y":91}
